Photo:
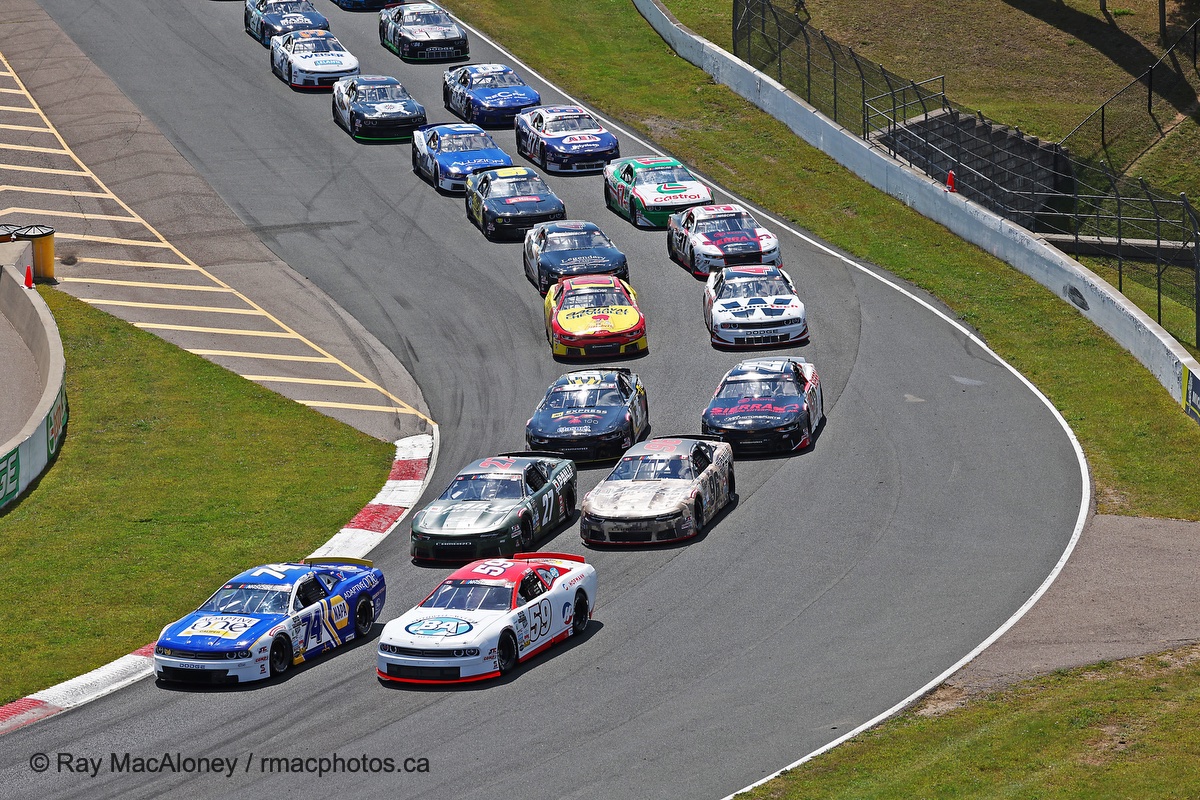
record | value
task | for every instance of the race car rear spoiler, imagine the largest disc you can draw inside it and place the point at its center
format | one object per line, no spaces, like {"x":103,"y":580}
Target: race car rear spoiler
{"x":533,"y":454}
{"x":704,"y":437}
{"x":538,"y":556}
{"x":361,"y":562}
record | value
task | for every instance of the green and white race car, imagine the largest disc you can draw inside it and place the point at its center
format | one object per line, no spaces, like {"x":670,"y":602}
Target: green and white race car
{"x":649,"y":189}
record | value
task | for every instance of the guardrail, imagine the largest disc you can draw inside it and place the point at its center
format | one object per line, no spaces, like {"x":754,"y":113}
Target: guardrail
{"x":1096,"y":299}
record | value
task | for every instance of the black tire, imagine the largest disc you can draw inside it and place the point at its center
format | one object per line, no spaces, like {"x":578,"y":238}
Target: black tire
{"x":633,"y":210}
{"x":671,"y":248}
{"x":436,"y":177}
{"x":580,"y":620}
{"x":569,"y":503}
{"x":607,"y":196}
{"x":364,"y":616}
{"x":382,"y":37}
{"x":732,"y":485}
{"x":542,"y":155}
{"x":281,"y":655}
{"x":291,"y":76}
{"x":446,"y":99}
{"x":698,"y":514}
{"x":692,"y":261}
{"x":506,"y":653}
{"x":274,"y":70}
{"x":526,"y":535}
{"x":415,"y":170}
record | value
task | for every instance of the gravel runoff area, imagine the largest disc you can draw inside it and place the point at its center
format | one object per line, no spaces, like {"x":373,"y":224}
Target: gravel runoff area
{"x":1129,"y":589}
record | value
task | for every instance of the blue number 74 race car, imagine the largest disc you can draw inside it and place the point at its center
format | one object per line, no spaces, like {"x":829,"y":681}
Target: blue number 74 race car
{"x":266,"y":619}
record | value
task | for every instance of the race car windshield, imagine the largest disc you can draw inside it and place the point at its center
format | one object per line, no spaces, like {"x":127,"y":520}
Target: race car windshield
{"x":427,"y":18}
{"x":470,"y":595}
{"x":595,"y":298}
{"x":753,"y":287}
{"x":519,"y":187}
{"x":578,"y":124}
{"x":592,"y":397}
{"x":467,"y":142}
{"x":662,"y":175}
{"x":731,"y":223}
{"x":381,"y":94}
{"x":289,"y":8}
{"x":652,"y":468}
{"x":585,"y":240}
{"x":485,"y":487}
{"x":758,"y":387}
{"x":240,"y":598}
{"x":492,"y":80}
{"x":318,"y":46}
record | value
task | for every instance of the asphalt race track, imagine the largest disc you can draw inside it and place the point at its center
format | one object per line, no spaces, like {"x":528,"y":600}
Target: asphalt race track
{"x":938,"y":496}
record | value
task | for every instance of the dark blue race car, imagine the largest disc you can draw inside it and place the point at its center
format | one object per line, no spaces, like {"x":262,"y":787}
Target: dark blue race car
{"x":376,"y":108}
{"x":487,"y":94}
{"x":590,"y":415}
{"x":447,"y":154}
{"x":507,"y":201}
{"x":266,"y":619}
{"x":766,"y":405}
{"x":564,"y":139}
{"x":555,"y":250}
{"x":266,"y":18}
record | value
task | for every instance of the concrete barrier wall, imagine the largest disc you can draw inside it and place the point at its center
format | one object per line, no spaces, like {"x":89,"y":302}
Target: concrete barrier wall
{"x":25,"y":457}
{"x":1095,"y":298}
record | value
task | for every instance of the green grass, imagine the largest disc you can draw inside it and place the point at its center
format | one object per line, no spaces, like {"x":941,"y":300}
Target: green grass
{"x":175,"y":474}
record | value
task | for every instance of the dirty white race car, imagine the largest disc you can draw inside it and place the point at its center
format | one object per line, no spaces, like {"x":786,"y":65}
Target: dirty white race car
{"x":487,"y":617}
{"x":662,"y":490}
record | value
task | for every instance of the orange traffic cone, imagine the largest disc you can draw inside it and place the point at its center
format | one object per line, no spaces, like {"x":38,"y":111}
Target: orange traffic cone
{"x":29,"y":276}
{"x":950,"y":182}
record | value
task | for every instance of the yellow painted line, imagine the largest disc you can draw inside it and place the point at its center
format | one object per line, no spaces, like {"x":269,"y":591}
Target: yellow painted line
{"x":20,"y":110}
{"x":8,"y":187}
{"x":120,"y":262}
{"x":68,"y":214}
{"x":266,"y":356}
{"x":249,"y":312}
{"x":33,"y":128}
{"x":28,"y":148}
{"x":406,"y":409}
{"x":311,"y":381}
{"x":228,"y":331}
{"x":182,"y":287}
{"x":12,"y":91}
{"x":44,"y":170}
{"x":83,"y":237}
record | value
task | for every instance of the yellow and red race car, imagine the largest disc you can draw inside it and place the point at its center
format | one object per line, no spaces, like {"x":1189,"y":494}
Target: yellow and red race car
{"x":594,"y":315}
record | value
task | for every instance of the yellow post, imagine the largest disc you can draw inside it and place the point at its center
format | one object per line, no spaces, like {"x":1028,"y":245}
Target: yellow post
{"x":42,"y":237}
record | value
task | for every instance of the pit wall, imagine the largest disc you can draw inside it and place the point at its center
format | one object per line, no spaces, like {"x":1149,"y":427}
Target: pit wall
{"x":1095,"y":298}
{"x":25,"y":457}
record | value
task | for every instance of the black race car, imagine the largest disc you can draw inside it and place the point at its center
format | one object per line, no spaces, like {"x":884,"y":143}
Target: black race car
{"x":590,"y":415}
{"x":266,"y":18}
{"x":504,"y":202}
{"x":555,"y":250}
{"x":376,"y":108}
{"x":766,"y":405}
{"x":422,"y":32}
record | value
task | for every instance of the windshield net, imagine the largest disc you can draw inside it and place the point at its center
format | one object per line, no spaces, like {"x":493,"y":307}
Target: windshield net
{"x":471,"y":595}
{"x":652,"y":468}
{"x":243,"y":598}
{"x":506,"y":486}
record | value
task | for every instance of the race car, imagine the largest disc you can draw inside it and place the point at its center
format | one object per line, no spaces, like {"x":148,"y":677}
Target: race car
{"x":590,"y":415}
{"x":662,"y":490}
{"x":507,"y":201}
{"x":373,"y":108}
{"x":707,"y":238}
{"x":570,"y":247}
{"x":487,"y":617}
{"x":487,"y":94}
{"x":496,"y":506}
{"x":753,"y":305}
{"x":766,"y":405}
{"x":446,"y":154}
{"x":422,"y":32}
{"x":564,"y":139}
{"x":649,"y":189}
{"x":266,"y":619}
{"x":594,"y":315}
{"x":360,"y":5}
{"x":311,"y":59}
{"x":266,"y":18}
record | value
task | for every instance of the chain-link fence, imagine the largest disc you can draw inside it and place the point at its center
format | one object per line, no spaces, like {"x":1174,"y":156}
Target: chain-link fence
{"x":1072,"y":196}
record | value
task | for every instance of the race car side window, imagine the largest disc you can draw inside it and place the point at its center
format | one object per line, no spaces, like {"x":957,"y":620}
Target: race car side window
{"x":328,"y":581}
{"x":433,"y":141}
{"x":534,"y":478}
{"x":549,"y":574}
{"x":485,"y":186}
{"x":308,"y":592}
{"x":627,"y":174}
{"x":465,"y":79}
{"x":531,"y":588}
{"x":718,"y":284}
{"x":626,"y":386}
{"x":689,"y":221}
{"x":700,"y":459}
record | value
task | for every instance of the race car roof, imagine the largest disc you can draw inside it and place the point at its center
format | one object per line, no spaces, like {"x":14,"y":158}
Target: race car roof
{"x":376,"y":80}
{"x":510,"y":172}
{"x":655,"y":449}
{"x":512,"y":571}
{"x":313,"y":34}
{"x":765,"y":367}
{"x":751,"y":271}
{"x":655,"y":161}
{"x":569,"y":226}
{"x":487,"y":69}
{"x":589,"y":377}
{"x":703,"y":212}
{"x":563,"y":111}
{"x":445,"y":128}
{"x":277,"y":574}
{"x":498,"y":464}
{"x":589,"y":281}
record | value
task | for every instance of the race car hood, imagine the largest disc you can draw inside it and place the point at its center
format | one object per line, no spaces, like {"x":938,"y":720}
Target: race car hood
{"x":430,"y":33}
{"x":294,"y":21}
{"x":388,"y":107}
{"x":577,"y":421}
{"x":750,"y":309}
{"x":465,"y":516}
{"x":596,"y":261}
{"x":428,"y":628}
{"x":505,"y":96}
{"x":325,"y":61}
{"x":672,"y":194}
{"x":607,"y":319}
{"x":474,"y":160}
{"x":736,"y":242}
{"x":204,"y":630}
{"x":524,"y":204}
{"x":581,"y":142}
{"x":759,"y":412}
{"x":619,"y":499}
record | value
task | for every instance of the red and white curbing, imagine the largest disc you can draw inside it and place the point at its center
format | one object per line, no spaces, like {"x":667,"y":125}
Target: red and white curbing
{"x":416,"y":457}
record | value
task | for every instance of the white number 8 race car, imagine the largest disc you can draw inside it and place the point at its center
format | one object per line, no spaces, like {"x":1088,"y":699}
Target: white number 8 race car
{"x":487,"y":617}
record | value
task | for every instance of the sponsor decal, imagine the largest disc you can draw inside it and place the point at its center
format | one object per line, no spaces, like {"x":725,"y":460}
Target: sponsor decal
{"x":222,"y":627}
{"x":575,"y":417}
{"x":525,"y":198}
{"x":1191,"y":394}
{"x":439,"y":626}
{"x":1076,"y":297}
{"x":339,"y":611}
{"x":327,"y":62}
{"x":10,"y":475}
{"x":763,"y":407}
{"x":567,"y":615}
{"x":581,"y":138}
{"x":585,"y":261}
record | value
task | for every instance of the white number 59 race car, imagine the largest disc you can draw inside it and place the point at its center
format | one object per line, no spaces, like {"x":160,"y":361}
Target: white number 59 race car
{"x":487,"y":617}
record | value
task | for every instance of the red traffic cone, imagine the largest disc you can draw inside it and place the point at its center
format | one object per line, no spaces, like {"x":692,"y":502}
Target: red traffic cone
{"x":28,"y":276}
{"x":950,"y":182}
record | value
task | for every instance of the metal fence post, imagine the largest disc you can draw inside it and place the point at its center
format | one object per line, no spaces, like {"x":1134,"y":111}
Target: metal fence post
{"x":1191,"y":215}
{"x":1158,"y":267}
{"x":1112,"y":179}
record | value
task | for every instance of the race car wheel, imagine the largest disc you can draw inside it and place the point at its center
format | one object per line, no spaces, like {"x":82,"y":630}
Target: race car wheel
{"x":732,"y":485}
{"x":281,"y":655}
{"x":382,"y":37}
{"x":414,"y":161}
{"x":526,"y":534}
{"x":364,"y":617}
{"x":542,"y":155}
{"x":692,"y":261}
{"x":506,"y":653}
{"x":446,"y":98}
{"x":437,"y":176}
{"x":607,"y":196}
{"x":671,"y":248}
{"x":579,"y":621}
{"x":291,"y":76}
{"x":569,"y":502}
{"x":698,"y":516}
